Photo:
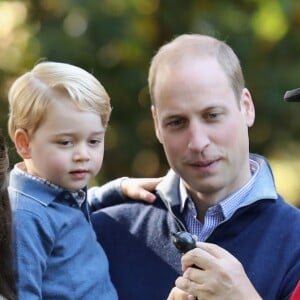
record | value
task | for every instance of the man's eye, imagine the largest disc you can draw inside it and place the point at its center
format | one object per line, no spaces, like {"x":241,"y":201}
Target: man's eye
{"x":176,"y":123}
{"x":213,"y":116}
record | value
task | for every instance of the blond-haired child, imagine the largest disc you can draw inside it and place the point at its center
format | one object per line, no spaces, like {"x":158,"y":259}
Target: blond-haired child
{"x":58,"y":114}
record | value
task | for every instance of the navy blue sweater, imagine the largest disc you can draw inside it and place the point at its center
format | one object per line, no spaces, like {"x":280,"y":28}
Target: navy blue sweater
{"x":264,"y":237}
{"x":263,"y":234}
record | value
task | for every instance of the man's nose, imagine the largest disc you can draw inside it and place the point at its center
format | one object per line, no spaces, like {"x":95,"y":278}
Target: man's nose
{"x":198,"y":137}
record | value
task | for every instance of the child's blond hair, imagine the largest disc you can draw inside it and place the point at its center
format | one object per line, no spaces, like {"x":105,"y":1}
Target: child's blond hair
{"x":31,"y":94}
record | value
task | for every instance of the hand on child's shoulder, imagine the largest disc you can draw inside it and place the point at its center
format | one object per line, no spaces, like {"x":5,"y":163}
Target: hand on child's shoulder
{"x":140,"y":188}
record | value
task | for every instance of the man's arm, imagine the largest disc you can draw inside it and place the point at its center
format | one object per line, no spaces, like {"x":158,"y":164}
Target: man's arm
{"x":122,"y":189}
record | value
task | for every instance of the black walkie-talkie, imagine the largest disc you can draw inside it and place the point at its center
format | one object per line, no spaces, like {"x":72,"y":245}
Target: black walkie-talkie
{"x":292,"y":95}
{"x":184,"y":241}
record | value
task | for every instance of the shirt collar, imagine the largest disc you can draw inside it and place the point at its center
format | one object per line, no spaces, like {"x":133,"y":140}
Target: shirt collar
{"x":20,"y":169}
{"x":228,"y":205}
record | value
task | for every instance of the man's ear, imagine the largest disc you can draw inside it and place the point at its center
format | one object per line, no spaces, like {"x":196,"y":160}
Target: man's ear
{"x":154,"y":115}
{"x":247,"y":107}
{"x":22,"y":143}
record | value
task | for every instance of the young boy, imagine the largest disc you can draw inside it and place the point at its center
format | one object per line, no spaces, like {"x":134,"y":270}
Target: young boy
{"x":57,"y":121}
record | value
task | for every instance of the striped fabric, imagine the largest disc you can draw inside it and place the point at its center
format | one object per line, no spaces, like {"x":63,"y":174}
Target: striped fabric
{"x":217,"y":213}
{"x":79,"y":196}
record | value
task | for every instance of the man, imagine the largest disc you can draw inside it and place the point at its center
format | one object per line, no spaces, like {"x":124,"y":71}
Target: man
{"x":215,"y":189}
{"x":293,"y":96}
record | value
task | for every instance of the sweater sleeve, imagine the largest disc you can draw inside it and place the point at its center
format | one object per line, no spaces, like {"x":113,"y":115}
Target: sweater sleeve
{"x":33,"y":241}
{"x":106,"y":195}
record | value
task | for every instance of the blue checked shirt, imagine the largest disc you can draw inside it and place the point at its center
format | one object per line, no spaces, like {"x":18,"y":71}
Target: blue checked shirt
{"x":56,"y":253}
{"x":217,"y":213}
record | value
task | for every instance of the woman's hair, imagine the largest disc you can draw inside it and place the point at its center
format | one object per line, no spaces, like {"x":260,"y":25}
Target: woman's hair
{"x":32,"y":93}
{"x":7,"y":280}
{"x":194,"y":46}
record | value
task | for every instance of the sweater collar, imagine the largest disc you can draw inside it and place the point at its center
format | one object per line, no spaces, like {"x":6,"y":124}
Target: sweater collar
{"x":263,"y":187}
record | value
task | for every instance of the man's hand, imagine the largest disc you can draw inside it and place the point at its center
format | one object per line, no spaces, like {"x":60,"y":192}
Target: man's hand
{"x":140,"y":188}
{"x":211,"y":272}
{"x":177,"y":294}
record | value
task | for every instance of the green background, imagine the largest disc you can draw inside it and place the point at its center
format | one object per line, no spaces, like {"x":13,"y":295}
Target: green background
{"x":115,"y":40}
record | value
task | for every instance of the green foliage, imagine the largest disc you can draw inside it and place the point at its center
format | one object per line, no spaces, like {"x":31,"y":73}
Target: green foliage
{"x":115,"y":40}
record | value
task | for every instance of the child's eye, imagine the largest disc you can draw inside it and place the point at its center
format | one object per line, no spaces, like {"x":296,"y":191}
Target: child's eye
{"x":64,"y":143}
{"x":95,"y":141}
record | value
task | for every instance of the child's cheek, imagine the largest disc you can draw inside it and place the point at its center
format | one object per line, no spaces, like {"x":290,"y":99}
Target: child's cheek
{"x":59,"y":165}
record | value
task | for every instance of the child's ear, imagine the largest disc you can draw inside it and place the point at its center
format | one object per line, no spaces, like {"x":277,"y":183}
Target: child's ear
{"x":22,"y":143}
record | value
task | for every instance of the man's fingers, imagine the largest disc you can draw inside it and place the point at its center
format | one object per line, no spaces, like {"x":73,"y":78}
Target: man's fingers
{"x":140,"y":188}
{"x":145,"y":195}
{"x":208,"y":256}
{"x":198,"y":258}
{"x":188,"y":287}
{"x":214,"y":250}
{"x":178,"y":294}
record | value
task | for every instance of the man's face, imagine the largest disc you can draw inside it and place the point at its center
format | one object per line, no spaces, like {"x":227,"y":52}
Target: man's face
{"x":203,"y":129}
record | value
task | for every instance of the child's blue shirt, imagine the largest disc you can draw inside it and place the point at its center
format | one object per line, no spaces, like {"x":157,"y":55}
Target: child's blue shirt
{"x":56,"y":252}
